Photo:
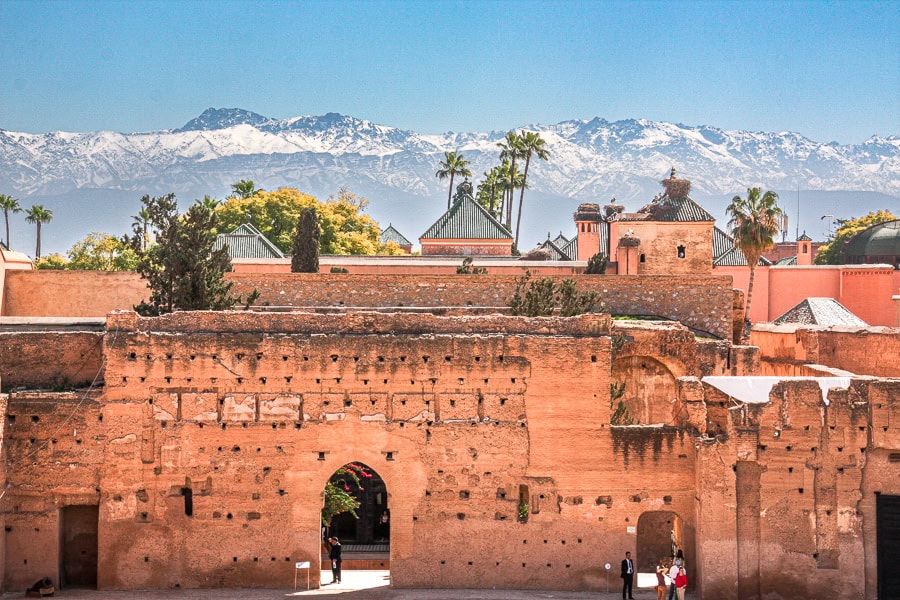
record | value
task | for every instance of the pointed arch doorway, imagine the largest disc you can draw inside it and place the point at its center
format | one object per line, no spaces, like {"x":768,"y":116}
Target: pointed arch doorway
{"x":356,"y":511}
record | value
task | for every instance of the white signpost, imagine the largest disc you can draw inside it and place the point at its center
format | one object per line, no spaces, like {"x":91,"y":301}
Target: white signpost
{"x":297,"y":567}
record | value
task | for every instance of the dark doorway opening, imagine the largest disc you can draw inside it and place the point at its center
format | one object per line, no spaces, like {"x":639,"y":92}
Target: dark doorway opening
{"x":78,"y":546}
{"x":371,"y":523}
{"x":887,"y":517}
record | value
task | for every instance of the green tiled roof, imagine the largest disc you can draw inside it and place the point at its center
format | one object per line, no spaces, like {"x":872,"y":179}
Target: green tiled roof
{"x":726,"y":254}
{"x":665,"y":208}
{"x":466,"y":220}
{"x":556,"y":253}
{"x":392,"y":235}
{"x":247,"y":242}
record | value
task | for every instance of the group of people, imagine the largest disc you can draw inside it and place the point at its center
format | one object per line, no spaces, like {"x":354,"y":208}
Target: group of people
{"x":671,"y":576}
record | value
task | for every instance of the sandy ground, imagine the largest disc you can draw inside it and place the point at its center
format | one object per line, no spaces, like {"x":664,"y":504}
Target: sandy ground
{"x":355,"y":585}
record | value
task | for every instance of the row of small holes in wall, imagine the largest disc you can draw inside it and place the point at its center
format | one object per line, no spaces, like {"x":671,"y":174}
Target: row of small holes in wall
{"x":814,"y":449}
{"x":333,"y":357}
{"x":337,"y":380}
{"x":235,"y":559}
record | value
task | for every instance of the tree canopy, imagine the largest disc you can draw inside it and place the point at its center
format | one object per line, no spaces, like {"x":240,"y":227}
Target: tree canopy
{"x":305,"y":254}
{"x":832,"y":252}
{"x":181,"y":268}
{"x":754,"y":223}
{"x":101,"y":252}
{"x":345,"y":229}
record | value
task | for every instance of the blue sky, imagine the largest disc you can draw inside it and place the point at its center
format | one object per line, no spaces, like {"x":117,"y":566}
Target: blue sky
{"x":828,"y":70}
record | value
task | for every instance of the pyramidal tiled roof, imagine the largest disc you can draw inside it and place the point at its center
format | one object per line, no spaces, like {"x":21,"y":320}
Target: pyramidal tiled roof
{"x":787,"y":261}
{"x":247,"y":242}
{"x":726,"y":254}
{"x":820,"y":311}
{"x":467,"y":220}
{"x":392,"y":235}
{"x":666,"y":208}
{"x":556,"y":253}
{"x":571,"y":249}
{"x":559,"y":240}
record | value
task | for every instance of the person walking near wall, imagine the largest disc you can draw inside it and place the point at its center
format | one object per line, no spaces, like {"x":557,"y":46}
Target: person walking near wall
{"x":661,"y":580}
{"x":335,"y":556}
{"x":673,"y":573}
{"x":627,"y":576}
{"x":681,"y":583}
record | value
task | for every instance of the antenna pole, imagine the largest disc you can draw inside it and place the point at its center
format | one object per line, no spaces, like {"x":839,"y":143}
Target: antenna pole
{"x":798,"y":212}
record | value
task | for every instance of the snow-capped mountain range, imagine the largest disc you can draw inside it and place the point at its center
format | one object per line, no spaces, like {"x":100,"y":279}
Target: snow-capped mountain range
{"x":591,"y":160}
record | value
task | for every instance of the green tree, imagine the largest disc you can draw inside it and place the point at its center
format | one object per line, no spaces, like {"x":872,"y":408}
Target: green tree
{"x":466,"y":268}
{"x":511,"y":150}
{"x":9,"y":205}
{"x":245,"y":188}
{"x":345,"y":227}
{"x":543,"y":297}
{"x":338,"y":491}
{"x":38,"y":215}
{"x":832,"y":253}
{"x":453,"y":164}
{"x":210,"y":202}
{"x":754,"y":223}
{"x":597,"y":264}
{"x":488,"y":192}
{"x":181,"y":269}
{"x":305,"y":255}
{"x":53,"y":262}
{"x":101,"y":252}
{"x":531,"y":144}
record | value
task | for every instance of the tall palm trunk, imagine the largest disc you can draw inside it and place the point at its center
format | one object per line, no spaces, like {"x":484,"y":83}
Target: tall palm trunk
{"x":745,"y":336}
{"x":450,"y":193}
{"x":511,"y":191}
{"x":522,"y":195}
{"x":6,"y":216}
{"x":37,"y":249}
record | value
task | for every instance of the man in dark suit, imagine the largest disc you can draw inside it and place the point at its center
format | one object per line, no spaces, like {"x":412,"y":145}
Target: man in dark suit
{"x":627,"y":576}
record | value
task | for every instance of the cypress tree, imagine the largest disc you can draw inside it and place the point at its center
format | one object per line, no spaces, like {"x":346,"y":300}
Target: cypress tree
{"x":305,"y":255}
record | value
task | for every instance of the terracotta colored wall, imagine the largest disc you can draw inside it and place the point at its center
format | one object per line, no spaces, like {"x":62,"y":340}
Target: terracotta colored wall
{"x":55,"y":444}
{"x":786,"y":349}
{"x":659,"y":245}
{"x":790,"y":285}
{"x":759,"y":304}
{"x":673,"y":297}
{"x":254,"y":412}
{"x":11,"y":261}
{"x":795,"y":471}
{"x":867,"y":294}
{"x":70,"y":293}
{"x":49,"y":359}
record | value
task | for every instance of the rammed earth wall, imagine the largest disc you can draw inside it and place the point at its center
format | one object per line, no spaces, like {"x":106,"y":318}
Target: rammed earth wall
{"x":702,"y":302}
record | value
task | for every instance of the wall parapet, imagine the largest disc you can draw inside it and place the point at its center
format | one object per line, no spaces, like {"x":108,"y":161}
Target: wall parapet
{"x":359,"y":323}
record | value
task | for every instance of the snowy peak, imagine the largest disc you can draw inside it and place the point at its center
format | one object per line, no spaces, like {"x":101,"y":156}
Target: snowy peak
{"x":222,"y":118}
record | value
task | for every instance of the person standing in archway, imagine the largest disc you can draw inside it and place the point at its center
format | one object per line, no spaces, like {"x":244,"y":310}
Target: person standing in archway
{"x":627,"y":576}
{"x":335,"y":555}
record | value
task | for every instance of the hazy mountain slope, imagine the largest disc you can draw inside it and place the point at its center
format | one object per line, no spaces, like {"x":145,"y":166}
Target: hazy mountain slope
{"x":591,"y":161}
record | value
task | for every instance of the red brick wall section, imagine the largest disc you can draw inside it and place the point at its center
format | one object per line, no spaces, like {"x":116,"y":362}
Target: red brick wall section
{"x":49,"y":360}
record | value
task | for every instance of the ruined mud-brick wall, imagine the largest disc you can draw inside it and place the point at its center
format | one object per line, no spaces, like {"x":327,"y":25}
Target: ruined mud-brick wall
{"x":703,"y":302}
{"x":787,"y":349}
{"x":248,"y":415}
{"x":801,"y":475}
{"x":54,"y":446}
{"x":47,"y":359}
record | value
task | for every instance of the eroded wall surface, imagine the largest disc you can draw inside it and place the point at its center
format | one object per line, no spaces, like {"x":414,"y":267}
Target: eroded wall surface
{"x":249,"y":414}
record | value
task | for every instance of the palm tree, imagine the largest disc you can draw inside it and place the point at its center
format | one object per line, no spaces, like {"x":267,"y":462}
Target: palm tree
{"x":140,"y":225}
{"x":754,"y":222}
{"x":487,"y":191}
{"x":532,"y":144}
{"x":210,"y":203}
{"x":452,"y":165}
{"x":243,"y":188}
{"x":511,"y":149}
{"x":37,"y":214}
{"x":8,"y":204}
